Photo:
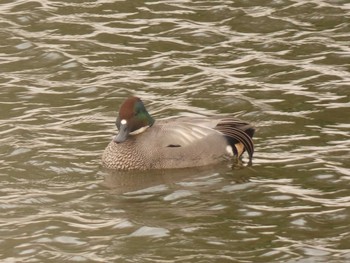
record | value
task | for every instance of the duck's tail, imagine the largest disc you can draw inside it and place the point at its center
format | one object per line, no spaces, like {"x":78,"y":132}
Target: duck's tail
{"x":237,"y":131}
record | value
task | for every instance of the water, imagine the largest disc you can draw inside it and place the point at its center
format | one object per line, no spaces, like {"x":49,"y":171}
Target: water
{"x":66,"y":66}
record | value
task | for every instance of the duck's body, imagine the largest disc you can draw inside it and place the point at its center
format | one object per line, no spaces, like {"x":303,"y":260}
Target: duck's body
{"x":174,"y":143}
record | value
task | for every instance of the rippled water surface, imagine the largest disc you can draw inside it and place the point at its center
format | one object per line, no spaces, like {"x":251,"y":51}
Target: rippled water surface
{"x":65,"y":66}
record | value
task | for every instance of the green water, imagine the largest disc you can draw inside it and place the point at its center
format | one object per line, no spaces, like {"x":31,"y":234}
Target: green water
{"x":65,"y":67}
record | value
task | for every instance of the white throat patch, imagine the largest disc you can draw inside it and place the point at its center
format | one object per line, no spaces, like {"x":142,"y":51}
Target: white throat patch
{"x":123,"y":121}
{"x":138,"y":131}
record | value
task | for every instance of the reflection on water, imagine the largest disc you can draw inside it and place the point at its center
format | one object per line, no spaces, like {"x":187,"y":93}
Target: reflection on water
{"x":66,"y":67}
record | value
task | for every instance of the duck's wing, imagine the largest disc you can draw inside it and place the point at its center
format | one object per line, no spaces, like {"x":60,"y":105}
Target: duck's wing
{"x":183,"y":131}
{"x":182,"y":134}
{"x":238,"y":131}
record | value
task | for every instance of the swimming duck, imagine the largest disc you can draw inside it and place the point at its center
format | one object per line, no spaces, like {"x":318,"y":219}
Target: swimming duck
{"x":143,"y":143}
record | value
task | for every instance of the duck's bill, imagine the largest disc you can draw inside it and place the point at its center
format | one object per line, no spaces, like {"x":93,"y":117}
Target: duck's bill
{"x":122,"y":135}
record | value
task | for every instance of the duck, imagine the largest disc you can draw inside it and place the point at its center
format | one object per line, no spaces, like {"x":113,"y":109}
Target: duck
{"x":143,"y":143}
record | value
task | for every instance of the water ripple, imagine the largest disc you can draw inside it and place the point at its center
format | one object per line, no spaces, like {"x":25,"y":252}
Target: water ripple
{"x":65,"y":68}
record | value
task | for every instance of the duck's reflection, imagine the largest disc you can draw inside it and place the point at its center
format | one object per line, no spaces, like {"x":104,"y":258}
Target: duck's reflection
{"x":130,"y":181}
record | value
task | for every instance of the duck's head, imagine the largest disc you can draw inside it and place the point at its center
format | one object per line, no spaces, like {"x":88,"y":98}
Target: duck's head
{"x":133,"y":118}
